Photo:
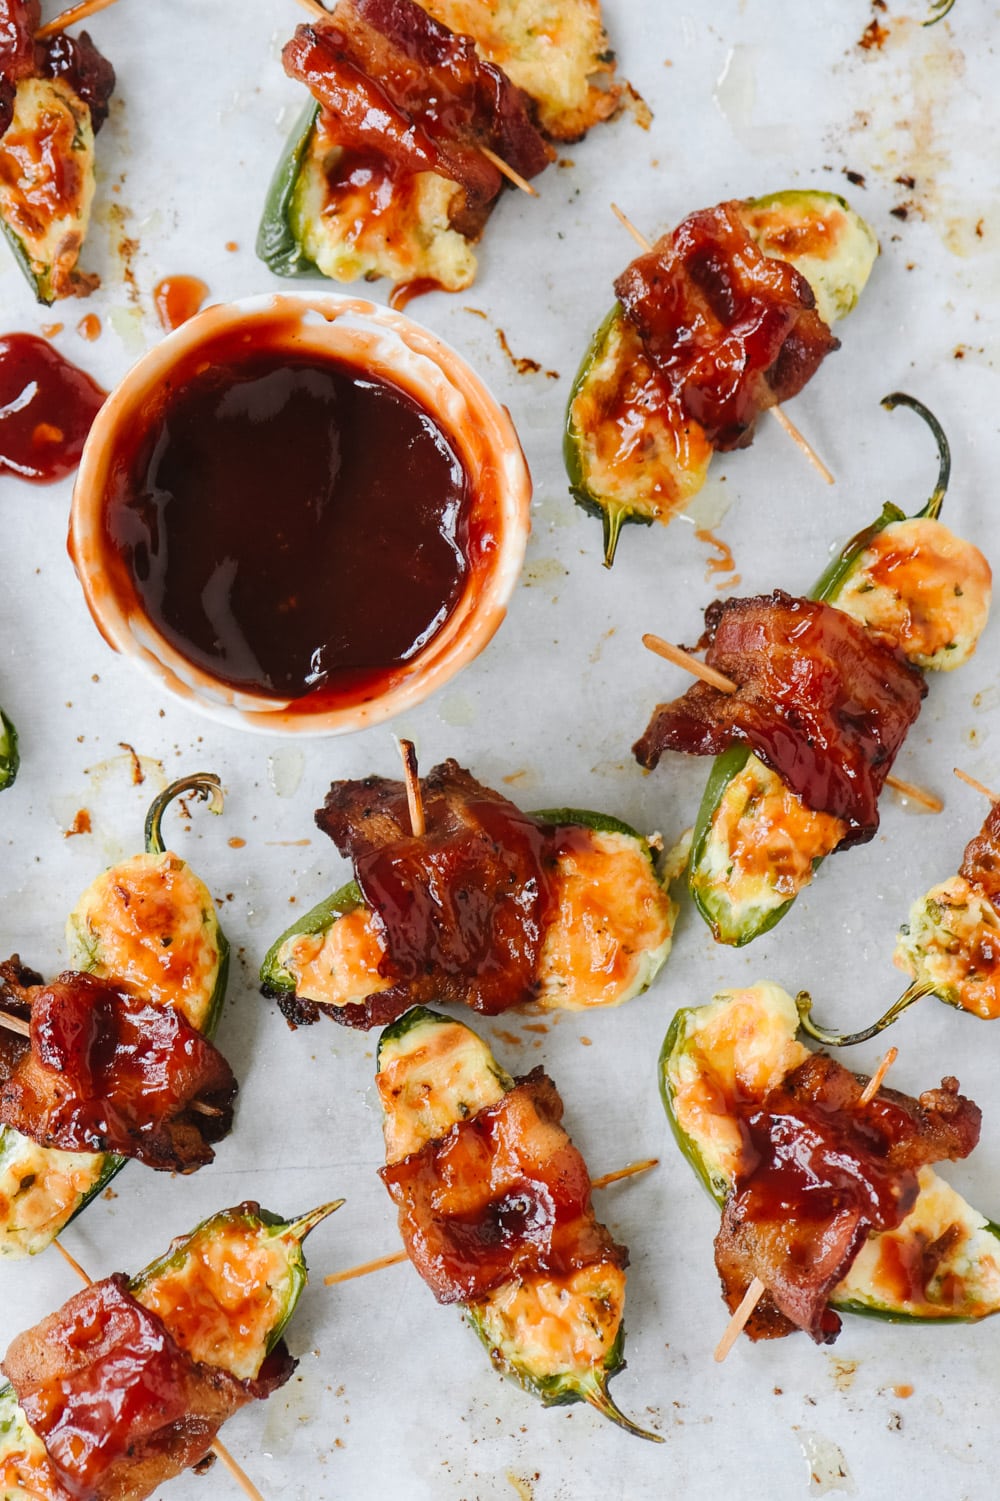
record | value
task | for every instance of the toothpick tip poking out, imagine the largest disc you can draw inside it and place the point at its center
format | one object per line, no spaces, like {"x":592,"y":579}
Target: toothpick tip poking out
{"x":802,"y":443}
{"x":626,"y":223}
{"x":411,"y":776}
{"x":737,"y":1323}
{"x":875,"y":1083}
{"x":693,"y":665}
{"x":928,"y":800}
{"x":963,"y":776}
{"x":506,"y":170}
{"x":69,"y":17}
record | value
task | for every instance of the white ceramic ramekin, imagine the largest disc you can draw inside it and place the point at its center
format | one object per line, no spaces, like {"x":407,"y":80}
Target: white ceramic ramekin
{"x":390,"y":346}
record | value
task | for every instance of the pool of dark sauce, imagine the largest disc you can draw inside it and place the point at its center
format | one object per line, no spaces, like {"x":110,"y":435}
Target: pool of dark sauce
{"x":294,"y":526}
{"x":47,"y":407}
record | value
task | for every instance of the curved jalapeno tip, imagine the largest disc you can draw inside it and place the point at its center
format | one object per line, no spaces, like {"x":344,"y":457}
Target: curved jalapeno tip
{"x":598,"y":1396}
{"x":939,"y":10}
{"x":900,"y":399}
{"x":297,"y":1230}
{"x":10,"y":758}
{"x":203,"y":784}
{"x":803,"y":1003}
{"x":613,"y":519}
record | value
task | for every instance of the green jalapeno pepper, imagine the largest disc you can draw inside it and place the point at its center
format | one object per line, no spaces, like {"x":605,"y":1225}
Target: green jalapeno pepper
{"x":10,"y":759}
{"x":193,"y":1287}
{"x":278,"y":244}
{"x":743,"y":878}
{"x":151,"y":923}
{"x":442,"y":1073}
{"x":306,"y":967}
{"x":629,"y":455}
{"x":741,"y":1045}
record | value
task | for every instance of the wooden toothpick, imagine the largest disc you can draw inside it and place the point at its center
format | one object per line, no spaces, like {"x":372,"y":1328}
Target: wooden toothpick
{"x":15,"y":1024}
{"x":736,"y":1324}
{"x":699,"y":669}
{"x":218,"y":1448}
{"x":874,"y":1084}
{"x":786,"y":422}
{"x":69,"y":17}
{"x":414,"y":799}
{"x":963,"y":776}
{"x":399,"y":1256}
{"x":504,"y":168}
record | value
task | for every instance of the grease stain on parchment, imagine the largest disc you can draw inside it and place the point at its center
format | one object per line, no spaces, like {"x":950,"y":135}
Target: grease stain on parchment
{"x":827,"y":1466}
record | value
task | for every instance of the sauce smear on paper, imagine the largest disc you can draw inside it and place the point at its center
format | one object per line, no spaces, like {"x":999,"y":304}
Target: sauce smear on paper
{"x":47,"y":406}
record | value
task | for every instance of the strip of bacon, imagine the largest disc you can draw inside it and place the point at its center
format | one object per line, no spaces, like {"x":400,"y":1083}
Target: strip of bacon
{"x":463,"y":909}
{"x":733,"y":330}
{"x":118,"y":1404}
{"x":981,"y":861}
{"x":75,"y":59}
{"x":821,"y":699}
{"x":503,"y":1195}
{"x":821,"y":1173}
{"x":394,"y":81}
{"x":108,"y":1071}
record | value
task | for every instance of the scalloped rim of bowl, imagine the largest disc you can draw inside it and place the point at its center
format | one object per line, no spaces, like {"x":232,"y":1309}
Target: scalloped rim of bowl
{"x":400,"y":350}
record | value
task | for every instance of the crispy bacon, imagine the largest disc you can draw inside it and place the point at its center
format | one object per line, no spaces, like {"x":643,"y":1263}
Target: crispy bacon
{"x":733,"y":330}
{"x":821,"y":699}
{"x":107,"y":1071}
{"x":462,"y":910}
{"x":503,"y":1195}
{"x":820,"y":1174}
{"x":119,"y":1405}
{"x":394,"y":81}
{"x":981,"y":861}
{"x":75,"y":59}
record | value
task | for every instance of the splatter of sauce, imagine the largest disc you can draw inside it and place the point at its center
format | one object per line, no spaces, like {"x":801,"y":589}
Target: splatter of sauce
{"x":723,"y":564}
{"x":404,"y":293}
{"x":874,"y":36}
{"x":81,"y":824}
{"x":47,"y":407}
{"x":522,"y":365}
{"x":178,"y":298}
{"x":89,"y":327}
{"x":236,"y":843}
{"x":51,"y":329}
{"x":231,"y":246}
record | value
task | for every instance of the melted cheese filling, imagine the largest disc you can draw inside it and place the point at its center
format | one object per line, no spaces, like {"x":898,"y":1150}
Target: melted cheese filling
{"x":763,"y":843}
{"x":354,"y":219}
{"x":555,"y":50}
{"x":25,"y":1472}
{"x":551,"y":1327}
{"x":40,"y":1187}
{"x":150,"y":922}
{"x":430,"y":1078}
{"x":952,"y":939}
{"x":224,"y":1299}
{"x":925,"y":588}
{"x":47,"y":179}
{"x":635,"y":448}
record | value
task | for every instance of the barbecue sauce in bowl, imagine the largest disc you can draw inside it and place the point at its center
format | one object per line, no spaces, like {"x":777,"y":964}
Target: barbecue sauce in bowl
{"x":293,"y":528}
{"x":301,"y":514}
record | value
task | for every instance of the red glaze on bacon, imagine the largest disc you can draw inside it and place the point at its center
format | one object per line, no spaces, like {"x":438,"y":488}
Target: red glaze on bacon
{"x":502,"y":1195}
{"x":107,"y":1071}
{"x":820,"y":1174}
{"x":981,"y":861}
{"x":394,"y":81}
{"x":463,"y":909}
{"x":733,"y":330}
{"x":118,"y":1404}
{"x":75,"y":59}
{"x":821,"y":699}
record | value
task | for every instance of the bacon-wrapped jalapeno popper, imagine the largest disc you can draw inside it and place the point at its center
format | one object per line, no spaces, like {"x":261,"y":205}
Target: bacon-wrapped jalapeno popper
{"x":148,"y":923}
{"x":388,"y":172}
{"x":490,"y":906}
{"x":725,"y":316}
{"x":128,"y":1384}
{"x":811,"y":735}
{"x":829,"y":1199}
{"x":494,"y":1208}
{"x":53,"y":100}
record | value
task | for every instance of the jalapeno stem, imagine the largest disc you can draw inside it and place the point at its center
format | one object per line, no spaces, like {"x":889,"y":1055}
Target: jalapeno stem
{"x":600,"y":1398}
{"x":831,"y":1039}
{"x":900,"y":399}
{"x":203,"y":784}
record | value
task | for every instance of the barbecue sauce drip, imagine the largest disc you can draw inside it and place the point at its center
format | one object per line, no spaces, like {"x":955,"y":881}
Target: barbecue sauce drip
{"x":178,"y":298}
{"x":47,"y":407}
{"x":294,"y":527}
